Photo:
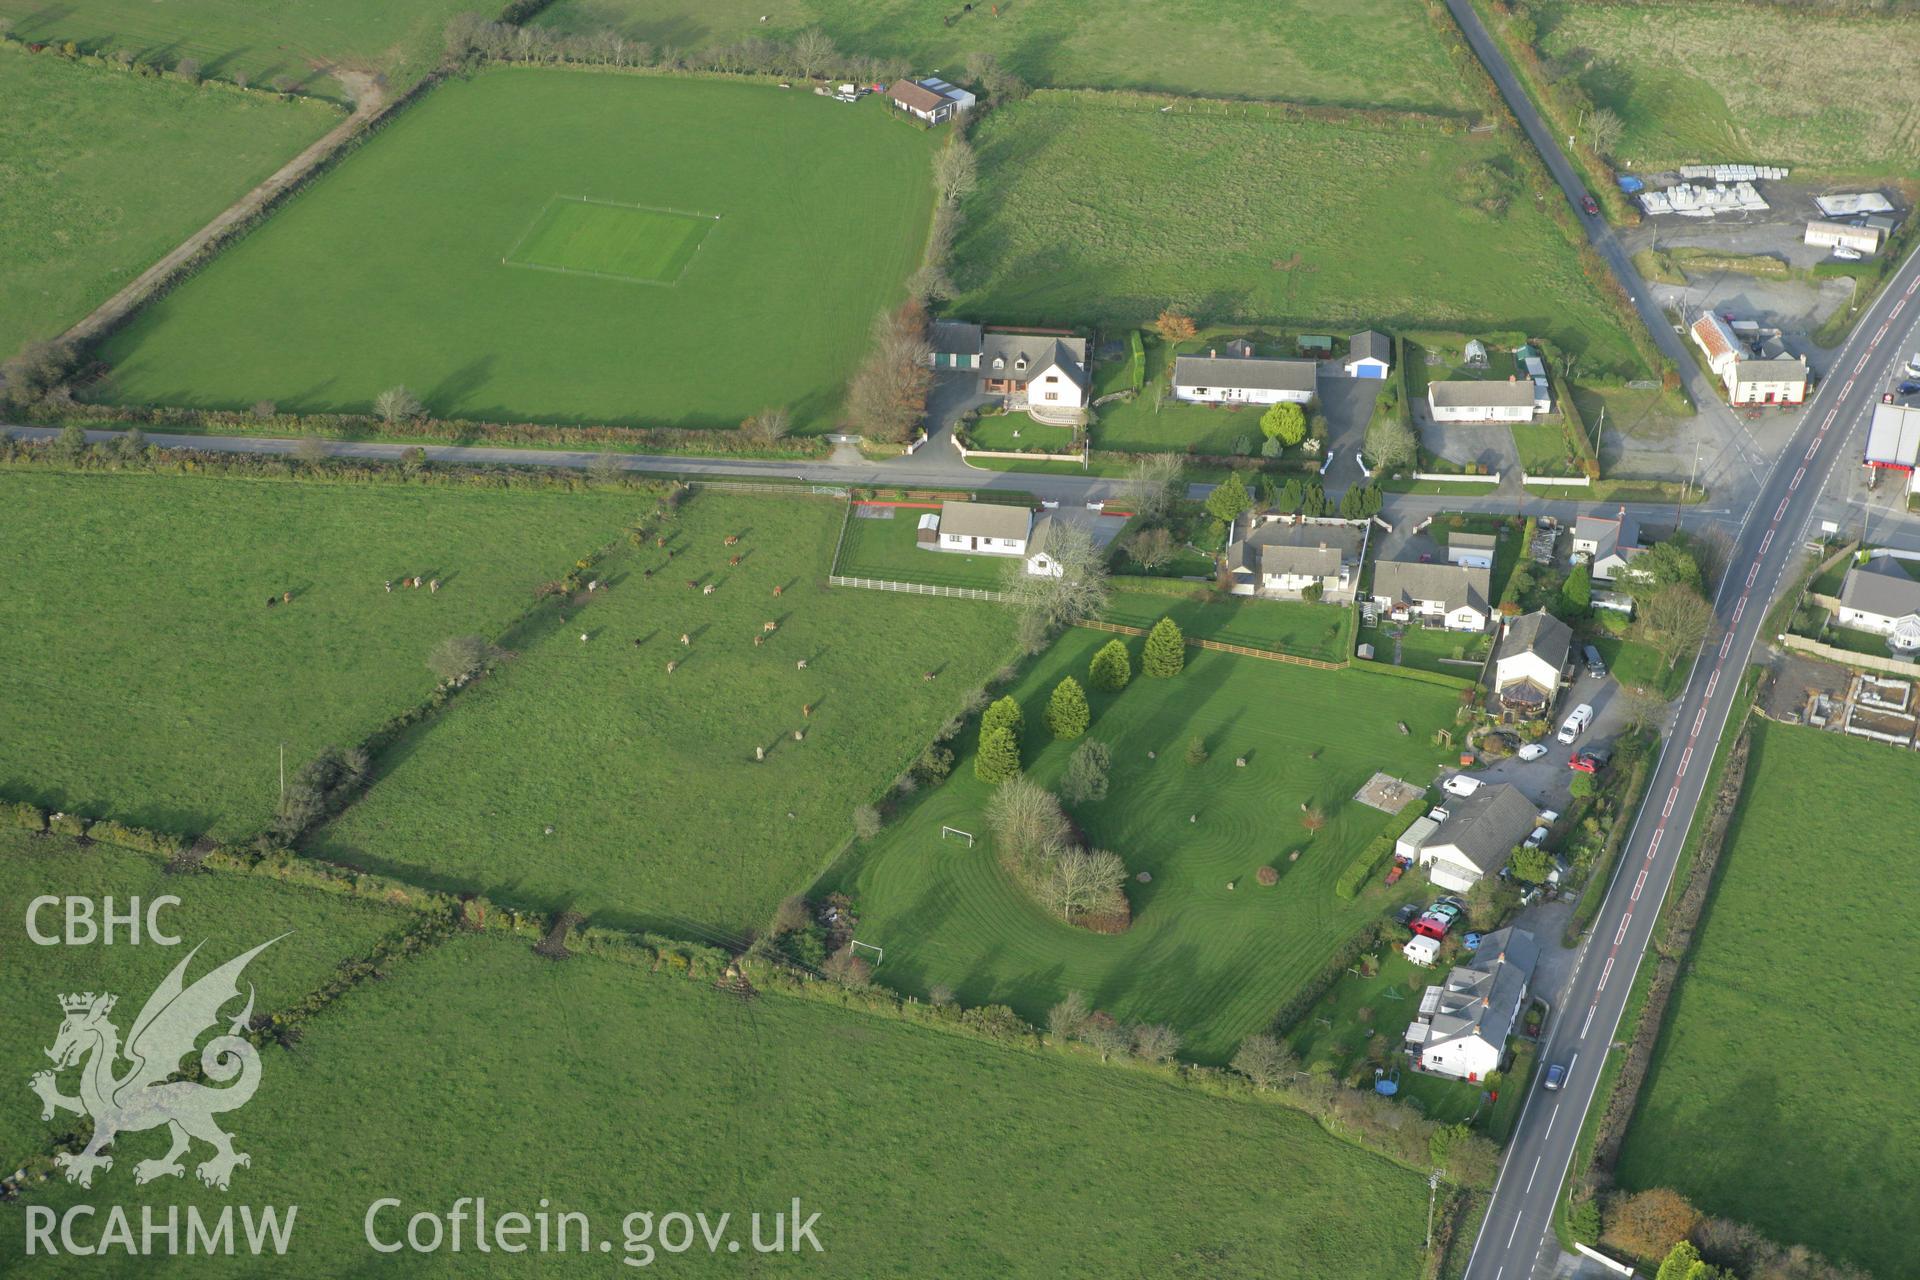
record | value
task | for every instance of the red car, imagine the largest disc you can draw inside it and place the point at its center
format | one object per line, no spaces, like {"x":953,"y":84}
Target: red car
{"x":1398,"y":869}
{"x":1590,"y":206}
{"x":1589,"y":761}
{"x":1436,"y":920}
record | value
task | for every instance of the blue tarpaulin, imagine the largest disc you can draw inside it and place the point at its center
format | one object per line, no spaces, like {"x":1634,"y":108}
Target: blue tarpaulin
{"x":1629,"y":185}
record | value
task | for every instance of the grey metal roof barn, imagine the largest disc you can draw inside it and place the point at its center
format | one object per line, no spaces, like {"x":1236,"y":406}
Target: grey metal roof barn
{"x":984,"y":520}
{"x":1460,"y":394}
{"x":1256,"y":374}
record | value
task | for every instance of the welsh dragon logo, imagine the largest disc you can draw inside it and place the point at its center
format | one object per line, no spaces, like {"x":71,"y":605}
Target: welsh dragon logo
{"x":144,"y":1095}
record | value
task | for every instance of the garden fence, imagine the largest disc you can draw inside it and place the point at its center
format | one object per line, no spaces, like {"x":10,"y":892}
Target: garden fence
{"x":917,"y":588}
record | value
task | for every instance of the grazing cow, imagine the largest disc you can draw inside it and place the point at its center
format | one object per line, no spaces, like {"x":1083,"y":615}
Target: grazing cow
{"x":692,"y":585}
{"x":758,"y":641}
{"x":389,"y":586}
{"x":591,"y":586}
{"x":672,"y":665}
{"x":583,"y":637}
{"x":272,"y":601}
{"x":776,"y":592}
{"x":929,"y":676}
{"x":707,"y":590}
{"x":638,"y":641}
{"x":732,"y":539}
{"x":434,"y":586}
{"x":769,"y":625}
{"x":806,"y":711}
{"x":801,"y":665}
{"x":660,"y":541}
{"x":733,"y":563}
{"x":646,"y":573}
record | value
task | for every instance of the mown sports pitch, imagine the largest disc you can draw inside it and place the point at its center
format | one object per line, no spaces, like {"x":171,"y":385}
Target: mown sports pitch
{"x":393,"y":268}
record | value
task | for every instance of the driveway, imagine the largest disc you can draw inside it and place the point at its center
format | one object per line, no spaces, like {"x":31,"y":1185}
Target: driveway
{"x":1488,"y":443}
{"x":1346,"y":403}
{"x":1548,"y":782}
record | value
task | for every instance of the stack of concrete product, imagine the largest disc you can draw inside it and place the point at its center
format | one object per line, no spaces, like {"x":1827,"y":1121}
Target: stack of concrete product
{"x":1733,"y":172}
{"x":1848,"y":205}
{"x":1690,"y":201}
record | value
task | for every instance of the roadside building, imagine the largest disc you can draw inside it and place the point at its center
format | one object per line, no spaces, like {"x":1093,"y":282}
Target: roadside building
{"x":1469,"y":401}
{"x":1231,"y":379}
{"x":1893,"y":443}
{"x":1462,"y":1025}
{"x":1843,"y":235}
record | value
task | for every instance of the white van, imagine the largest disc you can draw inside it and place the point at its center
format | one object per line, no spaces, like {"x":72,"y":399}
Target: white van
{"x":1576,"y":723}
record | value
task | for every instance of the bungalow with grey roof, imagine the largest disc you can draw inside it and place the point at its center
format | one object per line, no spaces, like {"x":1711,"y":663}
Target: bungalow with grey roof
{"x":1476,"y":835}
{"x":1242,"y":379}
{"x":1608,"y":542}
{"x":984,"y":528}
{"x":1451,"y":596}
{"x":1470,"y":401}
{"x":1462,"y":1025}
{"x":1880,"y":596}
{"x":1280,"y":557}
{"x":1528,"y":663}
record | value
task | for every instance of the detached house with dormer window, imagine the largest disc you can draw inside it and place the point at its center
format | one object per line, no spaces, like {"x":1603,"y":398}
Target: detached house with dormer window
{"x":1042,"y":374}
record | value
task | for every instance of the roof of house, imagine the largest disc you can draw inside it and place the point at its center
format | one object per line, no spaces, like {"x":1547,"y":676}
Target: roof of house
{"x":954,"y":336}
{"x":1715,"y":337}
{"x":1368,"y":344}
{"x":1283,"y":547}
{"x":1468,"y":394}
{"x":1043,"y":528}
{"x":1479,"y":1000}
{"x":984,"y":520}
{"x":1538,"y":633}
{"x":1254,"y":373}
{"x":1777,"y":370}
{"x":1607,"y":533}
{"x":1410,"y":582}
{"x":918,"y":97}
{"x":1894,"y":435}
{"x":1486,"y":825}
{"x":1882,"y":587}
{"x":1037,"y":350}
{"x":1471,"y":541}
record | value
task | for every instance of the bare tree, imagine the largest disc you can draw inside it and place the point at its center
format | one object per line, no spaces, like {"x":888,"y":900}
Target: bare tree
{"x":188,"y":69}
{"x":310,"y":449}
{"x":1155,"y":1042}
{"x":1080,"y":882}
{"x":1077,"y":591}
{"x":1153,"y":485}
{"x":1066,"y":1019}
{"x":813,"y":52}
{"x":770,"y":426}
{"x":1676,"y":620}
{"x":1263,"y":1060}
{"x":458,"y":657}
{"x":1106,"y":1037}
{"x":888,"y":396}
{"x":397,"y":404}
{"x":955,"y":171}
{"x":1026,"y":820}
{"x":1151,"y":548}
{"x":605,"y":468}
{"x":1640,"y":709}
{"x":1391,"y":442}
{"x":1603,"y":131}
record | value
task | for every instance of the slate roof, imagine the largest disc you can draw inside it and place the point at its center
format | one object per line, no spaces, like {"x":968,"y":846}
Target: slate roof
{"x":1471,"y":541}
{"x":1608,"y":533}
{"x":1039,"y":349}
{"x":917,"y":97}
{"x":1254,"y":373}
{"x":1538,"y":633}
{"x":1281,"y":547}
{"x":1779,"y":370}
{"x":1882,"y":587}
{"x":984,"y":520}
{"x":954,"y":337}
{"x":1368,"y":343}
{"x":1486,"y":825}
{"x":1479,"y":1000}
{"x":1411,"y":583}
{"x":1466,"y":394}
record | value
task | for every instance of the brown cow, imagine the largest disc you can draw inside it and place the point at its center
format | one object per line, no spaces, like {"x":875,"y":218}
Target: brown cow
{"x":769,"y":625}
{"x":776,"y":592}
{"x":732,"y":538}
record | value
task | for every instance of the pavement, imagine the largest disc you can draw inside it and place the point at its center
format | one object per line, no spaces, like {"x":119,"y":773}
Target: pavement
{"x":1822,"y":445}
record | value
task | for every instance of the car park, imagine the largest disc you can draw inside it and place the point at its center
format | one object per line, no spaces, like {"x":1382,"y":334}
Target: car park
{"x":1576,"y":722}
{"x":1532,"y":751}
{"x":1555,"y":1077}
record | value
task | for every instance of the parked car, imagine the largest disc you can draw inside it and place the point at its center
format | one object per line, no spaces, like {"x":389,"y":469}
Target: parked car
{"x":1431,"y":927}
{"x":1590,"y":206}
{"x":1846,"y":253}
{"x":1532,"y":751}
{"x":1538,"y":838}
{"x":1596,"y":665}
{"x":1908,"y":389}
{"x":1555,"y":1077}
{"x":1590,"y":761}
{"x":1405,"y":913}
{"x":1460,"y":785}
{"x":1398,"y":869}
{"x":1576,"y":722}
{"x":1913,"y":367}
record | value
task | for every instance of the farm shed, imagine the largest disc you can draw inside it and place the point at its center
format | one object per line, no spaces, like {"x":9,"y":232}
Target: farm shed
{"x":1842,"y":235}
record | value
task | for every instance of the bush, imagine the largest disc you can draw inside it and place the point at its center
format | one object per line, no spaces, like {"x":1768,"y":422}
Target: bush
{"x":459,"y":657}
{"x":1086,"y":776}
{"x":866,"y":822}
{"x":1004,"y":714}
{"x":1067,"y":714}
{"x":1165,"y":654}
{"x":1267,"y":876}
{"x":1286,"y":423}
{"x":1112,"y":667}
{"x":999,"y":756}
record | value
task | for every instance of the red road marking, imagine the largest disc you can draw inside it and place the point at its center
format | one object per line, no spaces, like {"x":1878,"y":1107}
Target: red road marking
{"x":1639,"y":883}
{"x":1686,"y":758}
{"x":1672,"y":796}
{"x":1621,"y":936}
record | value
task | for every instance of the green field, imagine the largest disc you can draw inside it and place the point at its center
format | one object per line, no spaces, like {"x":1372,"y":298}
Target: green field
{"x":1287,"y":49}
{"x":889,"y":549}
{"x":225,"y":913}
{"x":102,"y":172}
{"x":660,"y":815}
{"x":1776,"y":1096}
{"x":595,"y":1088}
{"x":1135,"y":426}
{"x":1102,"y":211}
{"x":1319,"y":631}
{"x":391,"y":268}
{"x":142,"y":675}
{"x":301,"y":40}
{"x":617,"y":242}
{"x":1213,"y":961}
{"x":1699,"y":83}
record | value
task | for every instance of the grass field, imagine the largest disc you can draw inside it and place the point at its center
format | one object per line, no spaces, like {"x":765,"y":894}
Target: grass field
{"x":1775,"y":1095}
{"x":1213,"y":961}
{"x":391,"y":268}
{"x":1305,"y":630}
{"x":661,"y":816}
{"x":1095,"y":210}
{"x":890,"y":549}
{"x":225,"y":913}
{"x":618,"y":242}
{"x":1285,"y":49}
{"x":142,"y":676}
{"x":1055,"y":1167}
{"x":1698,"y":83}
{"x":102,"y":172}
{"x":1450,"y":653}
{"x":297,"y":39}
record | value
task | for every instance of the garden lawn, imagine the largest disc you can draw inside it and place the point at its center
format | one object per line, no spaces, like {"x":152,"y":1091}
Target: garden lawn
{"x":1135,"y":426}
{"x":660,"y":816}
{"x":1214,"y":962}
{"x":596,"y":1088}
{"x":143,"y":676}
{"x":102,"y":172}
{"x":1304,"y":630}
{"x":1289,"y":49}
{"x":889,"y":548}
{"x":1451,"y":653}
{"x":224,"y":913}
{"x":297,"y":39}
{"x":392,"y":268}
{"x":1692,"y":83}
{"x":1250,"y":217}
{"x":1775,"y":1095}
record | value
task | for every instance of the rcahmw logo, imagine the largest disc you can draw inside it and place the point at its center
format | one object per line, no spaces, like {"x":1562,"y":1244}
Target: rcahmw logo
{"x":144,"y":1095}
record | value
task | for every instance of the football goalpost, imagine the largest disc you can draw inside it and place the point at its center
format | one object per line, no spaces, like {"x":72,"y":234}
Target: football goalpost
{"x":878,"y":954}
{"x":957,"y":832}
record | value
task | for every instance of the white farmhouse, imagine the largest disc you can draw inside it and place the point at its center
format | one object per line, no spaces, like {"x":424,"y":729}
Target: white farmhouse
{"x":1462,"y":1027}
{"x":1880,"y":596}
{"x":1281,"y":557}
{"x":984,"y":528}
{"x":1230,"y":379}
{"x":1468,"y":401}
{"x":1452,"y":596}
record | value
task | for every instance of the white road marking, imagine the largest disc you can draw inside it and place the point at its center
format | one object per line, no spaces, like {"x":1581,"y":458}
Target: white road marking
{"x":1605,"y":974}
{"x":1713,"y":680}
{"x":1639,"y":883}
{"x":1739,"y":608}
{"x":1620,"y":935}
{"x":1550,"y":1119}
{"x":1766,"y":542}
{"x":1530,"y":1178}
{"x":1686,"y":758}
{"x":1589,"y":1022}
{"x":1699,"y":720}
{"x":1726,"y":644}
{"x":1753,"y":573}
{"x":1672,"y":796}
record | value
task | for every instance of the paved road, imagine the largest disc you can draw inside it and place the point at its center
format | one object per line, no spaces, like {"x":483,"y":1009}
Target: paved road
{"x":1517,"y":1230}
